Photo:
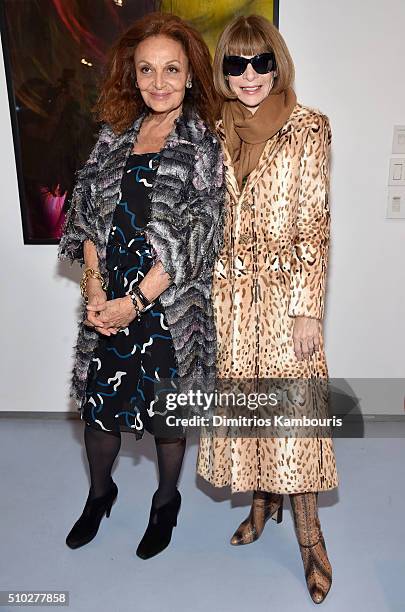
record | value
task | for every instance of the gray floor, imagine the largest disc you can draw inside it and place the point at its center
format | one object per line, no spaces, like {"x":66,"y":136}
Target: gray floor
{"x":44,"y":487}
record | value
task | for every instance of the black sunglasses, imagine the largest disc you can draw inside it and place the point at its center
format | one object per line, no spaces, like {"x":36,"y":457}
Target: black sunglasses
{"x":235,"y":65}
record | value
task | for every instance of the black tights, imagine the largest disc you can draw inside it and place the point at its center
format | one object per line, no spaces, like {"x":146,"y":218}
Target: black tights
{"x":102,"y":448}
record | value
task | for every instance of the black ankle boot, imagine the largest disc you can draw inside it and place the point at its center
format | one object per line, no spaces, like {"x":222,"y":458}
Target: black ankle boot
{"x":86,"y":527}
{"x":159,"y":530}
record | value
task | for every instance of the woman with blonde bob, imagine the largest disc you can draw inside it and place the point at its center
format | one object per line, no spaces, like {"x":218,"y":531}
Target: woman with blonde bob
{"x":269,"y":282}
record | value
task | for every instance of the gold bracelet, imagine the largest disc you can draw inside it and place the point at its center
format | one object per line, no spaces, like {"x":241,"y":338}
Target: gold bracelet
{"x":90,"y":273}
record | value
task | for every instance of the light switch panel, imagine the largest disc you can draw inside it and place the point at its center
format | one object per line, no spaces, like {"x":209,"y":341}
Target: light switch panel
{"x":398,"y":143}
{"x":397,"y":172}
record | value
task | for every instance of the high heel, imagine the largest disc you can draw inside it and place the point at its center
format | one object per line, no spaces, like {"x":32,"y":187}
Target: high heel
{"x":159,"y":530}
{"x":318,"y":570}
{"x":86,"y":527}
{"x":261,"y":510}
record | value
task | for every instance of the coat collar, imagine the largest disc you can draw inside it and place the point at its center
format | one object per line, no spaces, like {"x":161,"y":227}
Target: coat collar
{"x":187,"y":128}
{"x":271,"y":148}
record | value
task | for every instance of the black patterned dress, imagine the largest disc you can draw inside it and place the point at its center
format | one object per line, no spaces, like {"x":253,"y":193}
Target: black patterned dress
{"x":131,"y":371}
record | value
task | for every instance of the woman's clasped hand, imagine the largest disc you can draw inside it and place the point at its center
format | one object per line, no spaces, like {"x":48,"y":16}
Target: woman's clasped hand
{"x":107,"y":316}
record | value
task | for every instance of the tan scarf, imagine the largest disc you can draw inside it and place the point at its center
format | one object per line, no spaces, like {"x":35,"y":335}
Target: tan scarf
{"x":247,"y":134}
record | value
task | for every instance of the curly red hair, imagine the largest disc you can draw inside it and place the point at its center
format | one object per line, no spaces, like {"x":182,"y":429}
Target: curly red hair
{"x":120,"y":102}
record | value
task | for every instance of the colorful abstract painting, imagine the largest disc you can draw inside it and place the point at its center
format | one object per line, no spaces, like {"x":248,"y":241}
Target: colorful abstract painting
{"x":211,"y":16}
{"x":54,"y":52}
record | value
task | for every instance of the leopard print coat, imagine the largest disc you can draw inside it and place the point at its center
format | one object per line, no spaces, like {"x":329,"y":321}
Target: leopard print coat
{"x":271,"y":269}
{"x":185,"y":232}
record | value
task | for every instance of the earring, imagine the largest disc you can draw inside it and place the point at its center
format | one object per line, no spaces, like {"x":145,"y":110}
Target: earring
{"x":136,"y":85}
{"x":189,"y":84}
{"x":226,"y":77}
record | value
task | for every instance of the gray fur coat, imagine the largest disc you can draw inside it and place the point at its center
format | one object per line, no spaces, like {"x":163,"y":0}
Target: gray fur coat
{"x":185,"y":231}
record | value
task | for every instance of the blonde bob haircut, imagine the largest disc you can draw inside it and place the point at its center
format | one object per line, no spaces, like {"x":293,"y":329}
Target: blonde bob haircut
{"x":250,"y":36}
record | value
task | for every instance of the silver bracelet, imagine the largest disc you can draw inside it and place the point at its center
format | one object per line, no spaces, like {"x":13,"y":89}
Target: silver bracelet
{"x":134,"y":297}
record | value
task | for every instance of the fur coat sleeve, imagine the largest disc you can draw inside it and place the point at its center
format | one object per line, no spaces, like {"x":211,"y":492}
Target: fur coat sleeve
{"x":311,"y":242}
{"x":188,"y":237}
{"x":80,"y":222}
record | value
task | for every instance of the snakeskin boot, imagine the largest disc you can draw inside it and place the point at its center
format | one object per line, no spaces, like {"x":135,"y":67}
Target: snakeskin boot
{"x":318,"y":571}
{"x":264,"y":506}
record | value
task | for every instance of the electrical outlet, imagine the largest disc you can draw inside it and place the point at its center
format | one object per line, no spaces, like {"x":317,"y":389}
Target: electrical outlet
{"x":396,"y":203}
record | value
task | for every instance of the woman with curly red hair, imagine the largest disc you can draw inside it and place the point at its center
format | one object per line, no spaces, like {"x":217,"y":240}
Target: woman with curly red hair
{"x":146,"y":221}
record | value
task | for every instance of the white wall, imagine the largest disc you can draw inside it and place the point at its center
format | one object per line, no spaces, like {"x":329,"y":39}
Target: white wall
{"x":349,"y":63}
